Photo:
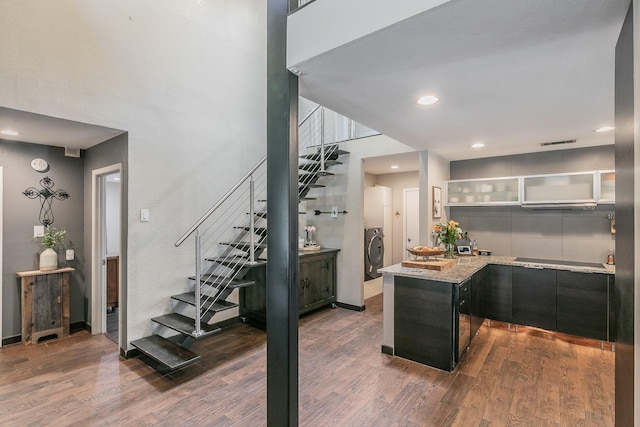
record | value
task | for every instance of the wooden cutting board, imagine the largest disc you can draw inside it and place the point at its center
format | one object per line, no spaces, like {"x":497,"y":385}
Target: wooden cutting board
{"x":432,"y":264}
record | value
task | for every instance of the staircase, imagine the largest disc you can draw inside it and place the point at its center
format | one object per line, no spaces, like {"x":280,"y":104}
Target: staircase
{"x":229,"y":240}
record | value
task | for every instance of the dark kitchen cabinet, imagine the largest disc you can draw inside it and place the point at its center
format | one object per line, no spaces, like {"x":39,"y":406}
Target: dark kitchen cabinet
{"x":611,"y":306}
{"x":317,"y":281}
{"x":534,"y":297}
{"x":583,"y":304}
{"x":497,"y":296}
{"x":479,"y":285}
{"x":425,"y":326}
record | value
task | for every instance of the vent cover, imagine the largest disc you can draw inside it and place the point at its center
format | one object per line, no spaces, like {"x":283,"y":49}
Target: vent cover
{"x":568,"y":141}
{"x":72,"y":152}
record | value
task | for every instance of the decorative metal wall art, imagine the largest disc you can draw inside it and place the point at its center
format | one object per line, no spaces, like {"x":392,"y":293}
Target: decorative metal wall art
{"x":46,"y":196}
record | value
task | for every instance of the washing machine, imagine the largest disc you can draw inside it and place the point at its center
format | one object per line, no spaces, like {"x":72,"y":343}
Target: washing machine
{"x":373,"y":252}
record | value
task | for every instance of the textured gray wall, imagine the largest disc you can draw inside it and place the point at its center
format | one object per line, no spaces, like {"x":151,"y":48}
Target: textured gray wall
{"x":20,"y":214}
{"x":108,"y":153}
{"x":571,"y":235}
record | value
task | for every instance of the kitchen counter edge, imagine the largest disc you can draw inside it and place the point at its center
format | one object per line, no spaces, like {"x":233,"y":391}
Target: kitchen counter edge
{"x":468,"y":266}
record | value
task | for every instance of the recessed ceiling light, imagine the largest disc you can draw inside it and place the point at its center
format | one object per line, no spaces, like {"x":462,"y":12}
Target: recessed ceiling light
{"x":477,"y":145}
{"x":9,"y":132}
{"x":394,"y":166}
{"x":604,"y":129}
{"x":428,"y":100}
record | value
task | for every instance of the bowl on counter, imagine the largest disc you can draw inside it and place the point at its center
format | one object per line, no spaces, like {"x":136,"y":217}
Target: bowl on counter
{"x":425,"y":252}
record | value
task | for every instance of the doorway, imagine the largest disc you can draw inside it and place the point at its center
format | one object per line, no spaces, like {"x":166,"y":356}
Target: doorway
{"x":1,"y":244}
{"x":106,"y":271}
{"x":411,"y":223}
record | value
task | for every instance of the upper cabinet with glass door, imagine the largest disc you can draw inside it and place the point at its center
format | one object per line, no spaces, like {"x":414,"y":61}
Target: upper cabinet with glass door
{"x":483,"y":192}
{"x":578,"y":187}
{"x":607,"y":193}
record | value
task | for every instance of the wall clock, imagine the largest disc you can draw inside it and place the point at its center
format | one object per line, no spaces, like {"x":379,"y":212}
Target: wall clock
{"x":39,"y":164}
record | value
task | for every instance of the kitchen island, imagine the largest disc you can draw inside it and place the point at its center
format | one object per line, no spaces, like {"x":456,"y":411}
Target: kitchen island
{"x":431,"y":316}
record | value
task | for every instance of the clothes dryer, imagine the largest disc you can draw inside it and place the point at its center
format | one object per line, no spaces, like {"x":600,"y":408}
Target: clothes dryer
{"x":373,"y":252}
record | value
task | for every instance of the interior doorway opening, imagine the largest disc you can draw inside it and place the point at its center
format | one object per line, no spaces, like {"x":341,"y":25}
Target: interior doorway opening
{"x":106,"y":316}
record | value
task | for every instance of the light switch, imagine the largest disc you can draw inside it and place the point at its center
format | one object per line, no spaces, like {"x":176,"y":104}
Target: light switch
{"x":70,"y":254}
{"x":334,"y":212}
{"x":38,"y":230}
{"x":144,"y":215}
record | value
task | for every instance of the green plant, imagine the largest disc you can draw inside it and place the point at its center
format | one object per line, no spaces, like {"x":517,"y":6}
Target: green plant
{"x":53,"y":237}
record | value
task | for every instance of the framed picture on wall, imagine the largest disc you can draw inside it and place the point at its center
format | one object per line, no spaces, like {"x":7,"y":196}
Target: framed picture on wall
{"x":437,"y":201}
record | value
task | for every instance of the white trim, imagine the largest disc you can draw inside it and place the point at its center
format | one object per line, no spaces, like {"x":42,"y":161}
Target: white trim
{"x":404,"y":221}
{"x":1,"y":255}
{"x":98,"y":292}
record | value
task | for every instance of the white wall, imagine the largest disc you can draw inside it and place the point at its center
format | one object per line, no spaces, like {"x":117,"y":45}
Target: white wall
{"x":112,"y":218}
{"x":185,"y":79}
{"x":436,"y":171}
{"x":346,"y":190}
{"x":398,"y":182}
{"x":309,"y":35}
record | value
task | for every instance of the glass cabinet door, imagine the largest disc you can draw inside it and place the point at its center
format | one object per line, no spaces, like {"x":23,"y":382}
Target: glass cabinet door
{"x":483,"y":192}
{"x":607,"y":187}
{"x":565,"y":188}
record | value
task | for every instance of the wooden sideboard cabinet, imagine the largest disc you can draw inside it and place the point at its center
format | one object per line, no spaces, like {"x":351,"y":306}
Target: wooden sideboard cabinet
{"x":45,"y":303}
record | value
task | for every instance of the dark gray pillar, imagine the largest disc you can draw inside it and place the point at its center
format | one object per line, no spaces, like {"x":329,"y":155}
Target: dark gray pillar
{"x":282,"y":223}
{"x":625,"y":206}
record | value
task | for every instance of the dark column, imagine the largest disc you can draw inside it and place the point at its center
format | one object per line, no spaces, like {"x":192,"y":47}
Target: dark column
{"x":282,"y":223}
{"x":625,"y":256}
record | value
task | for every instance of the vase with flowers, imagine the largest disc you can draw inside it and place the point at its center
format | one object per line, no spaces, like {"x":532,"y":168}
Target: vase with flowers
{"x":448,"y":234}
{"x":50,"y":240}
{"x":310,"y":234}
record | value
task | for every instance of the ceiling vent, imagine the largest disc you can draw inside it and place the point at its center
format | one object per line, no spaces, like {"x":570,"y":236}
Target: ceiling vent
{"x":568,"y":141}
{"x":72,"y":152}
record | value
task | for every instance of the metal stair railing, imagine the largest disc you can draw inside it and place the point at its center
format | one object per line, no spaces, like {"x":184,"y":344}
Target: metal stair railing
{"x":222,"y":251}
{"x":217,"y":237}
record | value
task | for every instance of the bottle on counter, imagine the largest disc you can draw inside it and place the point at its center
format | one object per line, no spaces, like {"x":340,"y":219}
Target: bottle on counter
{"x":610,"y":257}
{"x":474,"y":247}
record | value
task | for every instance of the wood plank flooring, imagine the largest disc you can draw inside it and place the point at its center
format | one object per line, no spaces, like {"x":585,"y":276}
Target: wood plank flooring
{"x":529,"y":378}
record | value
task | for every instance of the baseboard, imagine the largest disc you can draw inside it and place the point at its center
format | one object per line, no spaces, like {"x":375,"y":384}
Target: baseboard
{"x":12,"y":340}
{"x":351,"y":307}
{"x":386,"y":349}
{"x":79,"y":326}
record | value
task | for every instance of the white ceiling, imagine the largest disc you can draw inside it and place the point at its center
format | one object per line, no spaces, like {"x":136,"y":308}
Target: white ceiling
{"x":41,"y":129}
{"x":510,"y":74}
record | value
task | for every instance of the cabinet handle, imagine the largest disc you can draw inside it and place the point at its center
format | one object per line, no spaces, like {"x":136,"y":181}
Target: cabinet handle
{"x":534,"y":267}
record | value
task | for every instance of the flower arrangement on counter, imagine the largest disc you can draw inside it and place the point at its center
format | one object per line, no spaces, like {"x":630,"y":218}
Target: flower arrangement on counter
{"x":448,"y":234}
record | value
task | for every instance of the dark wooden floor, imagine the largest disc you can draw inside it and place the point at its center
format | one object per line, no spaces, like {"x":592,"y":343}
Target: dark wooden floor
{"x":529,"y":378}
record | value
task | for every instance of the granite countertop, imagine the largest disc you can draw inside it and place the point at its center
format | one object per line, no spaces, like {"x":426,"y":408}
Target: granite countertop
{"x":468,"y":266}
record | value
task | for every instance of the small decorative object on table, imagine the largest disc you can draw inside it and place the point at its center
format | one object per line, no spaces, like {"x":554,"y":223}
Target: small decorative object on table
{"x":310,"y":233}
{"x":50,"y":239}
{"x":425,"y":252}
{"x":448,"y":234}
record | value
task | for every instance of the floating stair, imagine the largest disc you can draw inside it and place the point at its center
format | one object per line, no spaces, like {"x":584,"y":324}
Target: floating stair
{"x":214,"y":307}
{"x":169,"y":354}
{"x":185,"y":325}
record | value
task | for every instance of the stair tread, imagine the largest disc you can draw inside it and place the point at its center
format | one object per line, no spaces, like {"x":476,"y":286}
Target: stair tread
{"x":236,"y":261}
{"x":262,"y":231}
{"x":311,"y":185}
{"x":306,"y":199}
{"x":216,"y":307}
{"x":185,"y":325}
{"x":166,"y":352}
{"x":239,"y":245}
{"x":222,"y":280}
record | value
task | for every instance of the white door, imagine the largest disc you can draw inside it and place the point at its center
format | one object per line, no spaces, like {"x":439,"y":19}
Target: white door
{"x":1,"y":275}
{"x":411,"y":225}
